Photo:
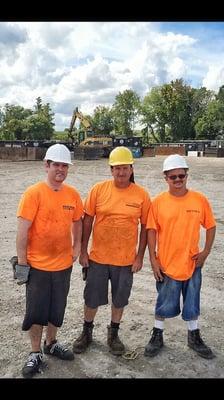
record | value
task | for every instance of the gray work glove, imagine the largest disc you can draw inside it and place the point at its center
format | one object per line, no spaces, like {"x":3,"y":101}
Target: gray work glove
{"x":20,"y":271}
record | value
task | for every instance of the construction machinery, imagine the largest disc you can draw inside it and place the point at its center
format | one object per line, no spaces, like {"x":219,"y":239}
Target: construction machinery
{"x":88,"y":145}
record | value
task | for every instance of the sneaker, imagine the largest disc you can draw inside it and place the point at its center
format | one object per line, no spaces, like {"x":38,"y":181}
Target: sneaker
{"x":196,"y":343}
{"x":33,"y":364}
{"x":155,"y":343}
{"x":58,"y":350}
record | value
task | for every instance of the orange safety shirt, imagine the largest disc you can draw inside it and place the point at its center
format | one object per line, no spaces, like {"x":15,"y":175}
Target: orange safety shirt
{"x":50,"y":235}
{"x":117,"y":214}
{"x":177,"y":221}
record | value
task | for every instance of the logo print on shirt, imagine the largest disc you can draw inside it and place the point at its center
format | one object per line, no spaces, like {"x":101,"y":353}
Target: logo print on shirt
{"x":65,"y":207}
{"x":135,"y":205}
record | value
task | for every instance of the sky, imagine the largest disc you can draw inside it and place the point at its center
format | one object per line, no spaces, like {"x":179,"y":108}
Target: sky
{"x":86,"y":64}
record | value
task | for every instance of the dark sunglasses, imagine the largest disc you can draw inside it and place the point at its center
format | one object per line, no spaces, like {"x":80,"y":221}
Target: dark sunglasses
{"x":174,"y":177}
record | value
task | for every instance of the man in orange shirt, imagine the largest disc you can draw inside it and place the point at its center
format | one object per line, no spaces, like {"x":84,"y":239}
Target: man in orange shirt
{"x":173,"y":225}
{"x":118,"y":206}
{"x":48,"y":242}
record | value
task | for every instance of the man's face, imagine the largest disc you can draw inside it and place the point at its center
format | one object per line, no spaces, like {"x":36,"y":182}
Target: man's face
{"x":176,"y":178}
{"x":122,"y":174}
{"x":57,"y":171}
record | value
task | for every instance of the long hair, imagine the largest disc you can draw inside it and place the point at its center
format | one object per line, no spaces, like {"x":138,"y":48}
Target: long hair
{"x":132,"y":178}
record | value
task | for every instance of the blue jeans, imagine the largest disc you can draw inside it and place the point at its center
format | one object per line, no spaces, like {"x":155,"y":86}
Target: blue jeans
{"x":169,"y":294}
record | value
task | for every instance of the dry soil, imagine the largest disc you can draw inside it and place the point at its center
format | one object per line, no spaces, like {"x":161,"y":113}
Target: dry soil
{"x":176,"y":359}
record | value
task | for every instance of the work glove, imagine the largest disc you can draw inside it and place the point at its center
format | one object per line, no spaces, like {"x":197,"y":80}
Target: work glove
{"x":20,"y":271}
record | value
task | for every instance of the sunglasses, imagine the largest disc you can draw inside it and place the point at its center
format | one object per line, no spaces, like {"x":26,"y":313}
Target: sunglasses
{"x":174,"y":177}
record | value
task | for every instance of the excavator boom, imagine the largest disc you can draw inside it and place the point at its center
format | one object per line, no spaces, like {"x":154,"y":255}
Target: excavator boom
{"x":91,"y":145}
{"x":76,"y":114}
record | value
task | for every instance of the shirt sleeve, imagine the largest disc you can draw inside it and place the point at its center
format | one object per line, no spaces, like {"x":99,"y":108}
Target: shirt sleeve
{"x":28,"y":205}
{"x":90,"y":202}
{"x":152,"y":220}
{"x":208,"y":220}
{"x":79,"y":210}
{"x":145,"y":208}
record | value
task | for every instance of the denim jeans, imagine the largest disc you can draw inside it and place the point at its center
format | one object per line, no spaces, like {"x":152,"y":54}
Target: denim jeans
{"x":169,"y":297}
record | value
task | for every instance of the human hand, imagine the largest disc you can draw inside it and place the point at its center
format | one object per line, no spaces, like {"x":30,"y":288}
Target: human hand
{"x":137,"y":264}
{"x":157,"y":271}
{"x":84,"y":259}
{"x":200,"y":258}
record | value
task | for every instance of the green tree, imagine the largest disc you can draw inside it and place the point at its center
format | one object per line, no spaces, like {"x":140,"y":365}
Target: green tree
{"x":178,"y":100}
{"x":125,"y":111}
{"x":211,"y":124}
{"x":102,"y":121}
{"x":200,"y":99}
{"x":220,"y":95}
{"x":24,"y":124}
{"x":13,"y":122}
{"x":170,"y":112}
{"x":154,"y":116}
{"x":40,"y":124}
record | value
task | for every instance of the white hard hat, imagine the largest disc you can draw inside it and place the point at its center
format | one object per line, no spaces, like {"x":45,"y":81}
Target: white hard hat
{"x":58,"y":153}
{"x":174,"y":161}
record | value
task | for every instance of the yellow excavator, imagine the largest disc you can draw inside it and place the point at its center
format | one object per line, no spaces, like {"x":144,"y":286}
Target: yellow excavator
{"x":83,"y":120}
{"x":89,"y":146}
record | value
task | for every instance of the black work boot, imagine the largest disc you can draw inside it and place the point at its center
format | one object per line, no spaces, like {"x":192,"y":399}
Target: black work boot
{"x":196,"y":343}
{"x":116,"y":346}
{"x":155,"y":343}
{"x":84,"y":340}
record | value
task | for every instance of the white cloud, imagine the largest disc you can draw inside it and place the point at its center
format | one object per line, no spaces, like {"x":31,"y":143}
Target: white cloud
{"x":86,"y":64}
{"x":215,"y":77}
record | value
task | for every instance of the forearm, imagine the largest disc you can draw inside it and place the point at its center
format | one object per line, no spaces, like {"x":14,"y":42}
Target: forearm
{"x":152,"y":244}
{"x":210,"y":236}
{"x":22,"y":240}
{"x":21,"y":248}
{"x":77,"y":236}
{"x":87,"y":229}
{"x":142,"y":242}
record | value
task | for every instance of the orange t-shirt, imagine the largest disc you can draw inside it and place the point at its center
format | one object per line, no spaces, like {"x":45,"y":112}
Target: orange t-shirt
{"x":50,"y":236}
{"x":177,"y":221}
{"x":117,"y":214}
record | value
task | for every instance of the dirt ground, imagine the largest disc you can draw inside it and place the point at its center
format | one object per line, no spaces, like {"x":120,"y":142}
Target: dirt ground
{"x":176,"y":359}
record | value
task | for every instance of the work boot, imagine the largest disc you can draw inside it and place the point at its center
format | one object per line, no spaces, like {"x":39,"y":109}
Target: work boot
{"x":116,"y":346}
{"x":196,"y":343}
{"x":155,"y":343}
{"x":84,"y":340}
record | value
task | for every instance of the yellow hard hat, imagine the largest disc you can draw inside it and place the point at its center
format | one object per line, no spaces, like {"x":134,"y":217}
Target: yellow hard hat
{"x":120,"y":156}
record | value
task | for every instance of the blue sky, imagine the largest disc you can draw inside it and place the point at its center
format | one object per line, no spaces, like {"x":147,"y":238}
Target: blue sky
{"x":86,"y":64}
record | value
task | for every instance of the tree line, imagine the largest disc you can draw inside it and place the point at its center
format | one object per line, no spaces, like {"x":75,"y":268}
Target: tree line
{"x":170,"y":112}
